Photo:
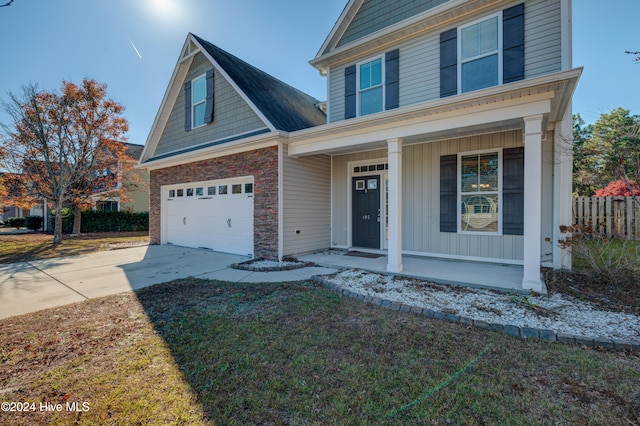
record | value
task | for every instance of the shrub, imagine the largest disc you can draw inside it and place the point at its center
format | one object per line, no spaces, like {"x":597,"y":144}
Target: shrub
{"x":613,"y":261}
{"x":16,"y":222}
{"x":34,"y":222}
{"x":114,"y":221}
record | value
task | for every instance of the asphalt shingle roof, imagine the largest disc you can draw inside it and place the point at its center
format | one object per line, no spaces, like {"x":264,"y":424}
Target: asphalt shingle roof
{"x":287,"y":108}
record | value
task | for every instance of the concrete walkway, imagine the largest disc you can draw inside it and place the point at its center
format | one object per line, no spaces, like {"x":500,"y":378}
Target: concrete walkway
{"x":31,"y":286}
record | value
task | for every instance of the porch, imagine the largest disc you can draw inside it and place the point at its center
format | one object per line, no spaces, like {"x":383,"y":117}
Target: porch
{"x":445,"y":271}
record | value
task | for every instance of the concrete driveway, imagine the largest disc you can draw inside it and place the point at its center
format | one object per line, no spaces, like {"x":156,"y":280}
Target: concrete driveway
{"x":31,"y":286}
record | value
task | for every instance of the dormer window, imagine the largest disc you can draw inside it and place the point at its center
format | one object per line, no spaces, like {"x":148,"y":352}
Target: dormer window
{"x":198,"y":101}
{"x":370,"y":88}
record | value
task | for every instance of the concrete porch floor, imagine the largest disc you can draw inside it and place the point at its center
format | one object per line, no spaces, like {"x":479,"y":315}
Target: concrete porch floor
{"x":444,"y":271}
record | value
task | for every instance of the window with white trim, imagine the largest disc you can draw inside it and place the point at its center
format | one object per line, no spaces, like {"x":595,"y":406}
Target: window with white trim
{"x":370,"y":87}
{"x":479,"y":192}
{"x":198,"y":101}
{"x":480,"y":54}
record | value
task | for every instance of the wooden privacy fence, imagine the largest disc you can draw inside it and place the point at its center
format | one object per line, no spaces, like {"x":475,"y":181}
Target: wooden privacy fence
{"x":612,"y":216}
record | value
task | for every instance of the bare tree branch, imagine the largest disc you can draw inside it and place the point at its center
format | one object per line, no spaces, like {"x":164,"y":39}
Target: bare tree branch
{"x":637,"y":59}
{"x":6,"y":4}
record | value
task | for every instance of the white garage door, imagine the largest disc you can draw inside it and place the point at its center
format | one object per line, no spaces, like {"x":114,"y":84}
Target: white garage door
{"x":217,"y":215}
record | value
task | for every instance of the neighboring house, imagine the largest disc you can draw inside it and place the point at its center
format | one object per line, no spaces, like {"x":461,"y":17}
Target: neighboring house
{"x":445,"y":135}
{"x":135,"y":182}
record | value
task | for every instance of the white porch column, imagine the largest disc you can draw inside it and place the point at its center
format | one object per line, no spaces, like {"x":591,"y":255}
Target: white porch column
{"x":532,"y":202}
{"x":562,"y":189}
{"x":394,"y":263}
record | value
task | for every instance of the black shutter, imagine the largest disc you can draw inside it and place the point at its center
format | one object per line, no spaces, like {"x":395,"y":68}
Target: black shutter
{"x":513,"y":191}
{"x":187,"y":106}
{"x":208,"y":113}
{"x":449,"y":63}
{"x":513,"y":44}
{"x":350,"y":92}
{"x":392,"y":79}
{"x":449,"y":193}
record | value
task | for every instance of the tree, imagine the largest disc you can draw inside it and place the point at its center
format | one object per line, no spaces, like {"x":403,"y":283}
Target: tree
{"x":619,"y":188}
{"x":584,"y":180}
{"x":607,"y":151}
{"x":57,"y":141}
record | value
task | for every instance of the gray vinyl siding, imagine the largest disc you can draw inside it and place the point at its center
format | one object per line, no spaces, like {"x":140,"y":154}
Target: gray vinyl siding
{"x":542,"y":38}
{"x":335,"y":79}
{"x":420,"y":71}
{"x":375,"y":15}
{"x":306,"y":203}
{"x":232,"y":114}
{"x":421,"y":201}
{"x":420,"y":59}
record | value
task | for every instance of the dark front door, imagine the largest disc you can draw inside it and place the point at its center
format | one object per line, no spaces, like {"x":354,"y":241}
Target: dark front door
{"x":366,"y":211}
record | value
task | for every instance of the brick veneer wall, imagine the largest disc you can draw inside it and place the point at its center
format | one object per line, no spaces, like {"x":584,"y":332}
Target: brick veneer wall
{"x":262,"y":164}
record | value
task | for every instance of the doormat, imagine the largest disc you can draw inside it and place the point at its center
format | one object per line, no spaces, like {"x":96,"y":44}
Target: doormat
{"x":363,"y":254}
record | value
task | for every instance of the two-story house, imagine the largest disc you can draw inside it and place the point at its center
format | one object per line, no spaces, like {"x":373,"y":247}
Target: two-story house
{"x":447,"y":134}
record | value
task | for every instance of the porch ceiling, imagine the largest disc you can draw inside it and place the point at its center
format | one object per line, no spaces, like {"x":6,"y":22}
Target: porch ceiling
{"x":490,"y":110}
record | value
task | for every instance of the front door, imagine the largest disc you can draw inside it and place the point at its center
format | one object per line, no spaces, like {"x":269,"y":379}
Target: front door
{"x":366,"y":212}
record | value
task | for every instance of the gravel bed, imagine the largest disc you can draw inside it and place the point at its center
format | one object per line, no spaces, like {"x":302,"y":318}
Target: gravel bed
{"x":557,"y":312}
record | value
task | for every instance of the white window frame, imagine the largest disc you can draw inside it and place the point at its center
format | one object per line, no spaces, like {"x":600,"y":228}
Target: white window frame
{"x":194,"y":104}
{"x":499,"y":50}
{"x":382,"y":85}
{"x":460,"y":193}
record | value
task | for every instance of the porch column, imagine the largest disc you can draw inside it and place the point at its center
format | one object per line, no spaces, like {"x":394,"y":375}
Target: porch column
{"x":394,"y":263}
{"x":532,"y":202}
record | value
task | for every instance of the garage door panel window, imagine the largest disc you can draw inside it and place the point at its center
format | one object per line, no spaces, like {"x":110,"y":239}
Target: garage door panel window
{"x":222,"y":189}
{"x":248,"y":188}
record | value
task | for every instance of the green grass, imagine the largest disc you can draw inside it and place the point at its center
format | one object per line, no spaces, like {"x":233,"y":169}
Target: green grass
{"x":198,"y":352}
{"x":609,"y":249}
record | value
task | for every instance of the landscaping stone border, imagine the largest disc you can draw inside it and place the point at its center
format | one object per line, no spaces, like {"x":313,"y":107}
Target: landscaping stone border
{"x":248,"y":266}
{"x":513,"y":330}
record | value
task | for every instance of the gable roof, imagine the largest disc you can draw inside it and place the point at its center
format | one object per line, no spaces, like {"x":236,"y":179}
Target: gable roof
{"x":287,"y":108}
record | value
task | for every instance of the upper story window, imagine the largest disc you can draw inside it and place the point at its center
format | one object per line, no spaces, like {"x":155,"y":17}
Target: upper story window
{"x":480,"y":53}
{"x":485,"y":53}
{"x":198,"y":101}
{"x":370,"y":87}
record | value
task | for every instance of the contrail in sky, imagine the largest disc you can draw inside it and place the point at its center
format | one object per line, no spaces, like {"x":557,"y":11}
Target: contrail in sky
{"x":134,"y":48}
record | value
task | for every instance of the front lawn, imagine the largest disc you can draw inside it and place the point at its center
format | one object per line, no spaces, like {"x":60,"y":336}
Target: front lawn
{"x":197,"y":352}
{"x":28,"y":247}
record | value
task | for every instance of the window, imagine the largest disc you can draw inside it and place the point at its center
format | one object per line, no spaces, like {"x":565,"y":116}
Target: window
{"x":172,"y":193}
{"x":248,"y":188}
{"x":198,"y":101}
{"x":222,"y":190}
{"x":199,"y":192}
{"x":211,"y":190}
{"x":111,"y":206}
{"x":479,"y":192}
{"x":480,"y":54}
{"x":370,"y":88}
{"x":236,"y":188}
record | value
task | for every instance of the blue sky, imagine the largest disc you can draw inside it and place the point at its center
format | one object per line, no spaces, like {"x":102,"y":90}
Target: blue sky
{"x":133,"y":46}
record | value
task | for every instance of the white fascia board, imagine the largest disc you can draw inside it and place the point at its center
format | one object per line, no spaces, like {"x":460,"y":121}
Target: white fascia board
{"x":458,"y":106}
{"x":450,"y":120}
{"x":417,"y":25}
{"x":164,"y":111}
{"x":341,"y":25}
{"x":235,"y":87}
{"x":257,"y":142}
